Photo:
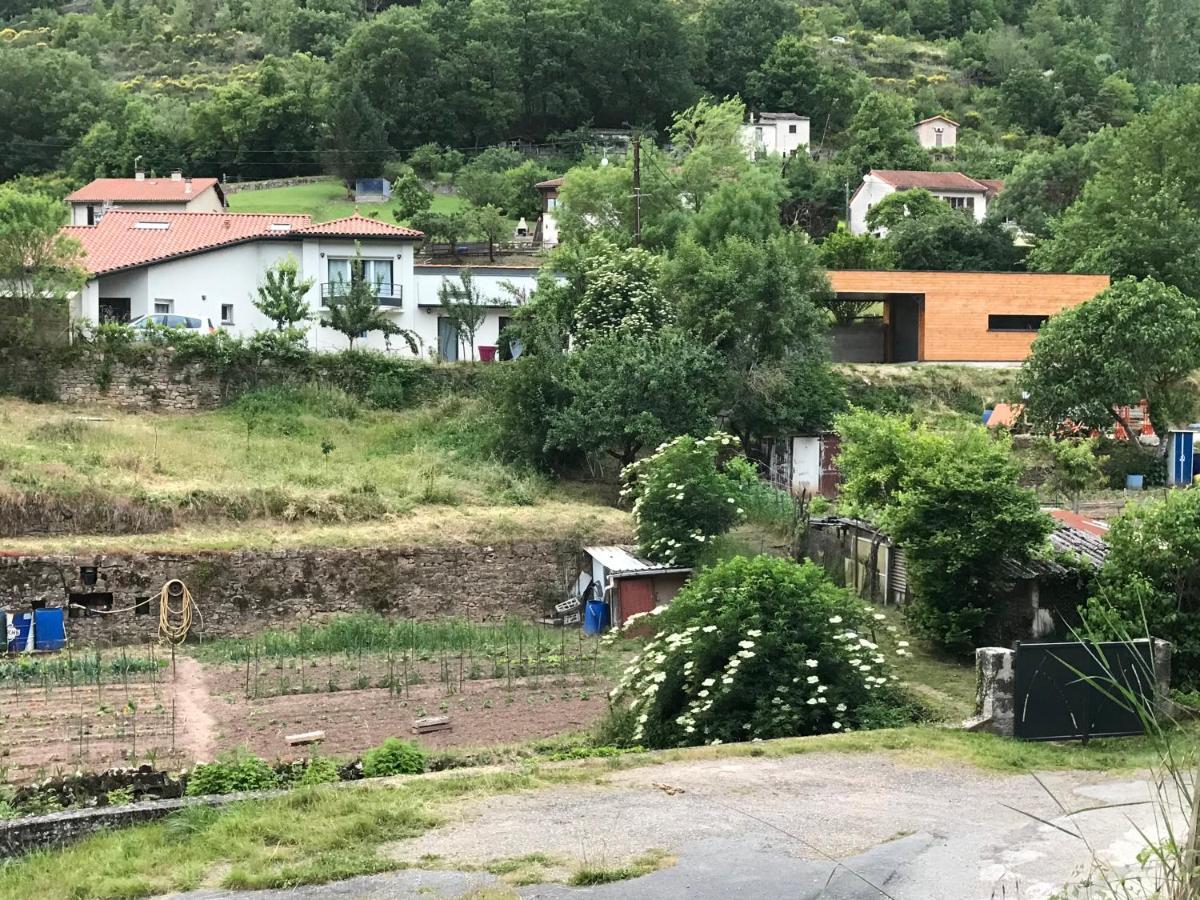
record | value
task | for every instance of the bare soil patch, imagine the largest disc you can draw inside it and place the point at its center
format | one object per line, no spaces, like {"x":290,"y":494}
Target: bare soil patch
{"x":482,"y":713}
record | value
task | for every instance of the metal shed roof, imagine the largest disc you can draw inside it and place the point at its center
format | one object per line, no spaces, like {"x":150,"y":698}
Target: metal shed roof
{"x":620,"y":561}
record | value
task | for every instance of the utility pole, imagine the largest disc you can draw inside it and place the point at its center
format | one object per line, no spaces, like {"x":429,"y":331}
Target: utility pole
{"x":637,"y":190}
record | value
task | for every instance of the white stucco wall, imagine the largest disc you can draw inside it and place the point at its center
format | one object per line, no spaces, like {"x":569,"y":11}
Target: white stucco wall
{"x":926,"y":134}
{"x":198,"y":286}
{"x":873,"y":190}
{"x":205,"y":201}
{"x":775,"y":137}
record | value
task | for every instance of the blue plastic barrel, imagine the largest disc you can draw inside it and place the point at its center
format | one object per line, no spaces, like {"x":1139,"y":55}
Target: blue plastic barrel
{"x":49,"y":632}
{"x":23,"y":622}
{"x":595,"y":617}
{"x":1134,"y":482}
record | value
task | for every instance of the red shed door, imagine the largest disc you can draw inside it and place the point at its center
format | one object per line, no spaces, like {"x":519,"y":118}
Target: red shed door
{"x":637,"y":596}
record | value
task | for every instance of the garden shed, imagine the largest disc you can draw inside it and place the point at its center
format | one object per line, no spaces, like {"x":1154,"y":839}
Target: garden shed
{"x":860,"y":556}
{"x":629,"y":584}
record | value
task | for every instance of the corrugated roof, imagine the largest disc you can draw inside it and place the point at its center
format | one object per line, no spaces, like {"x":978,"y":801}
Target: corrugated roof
{"x":142,"y":190}
{"x":619,"y":560}
{"x":905,"y":180}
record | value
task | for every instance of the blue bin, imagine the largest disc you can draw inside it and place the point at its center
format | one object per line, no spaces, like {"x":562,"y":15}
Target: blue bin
{"x":49,"y":632}
{"x":595,"y":617}
{"x":1134,"y":482}
{"x":23,"y":622}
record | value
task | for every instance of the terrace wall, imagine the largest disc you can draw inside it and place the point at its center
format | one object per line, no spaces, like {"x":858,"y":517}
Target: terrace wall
{"x":242,"y":592}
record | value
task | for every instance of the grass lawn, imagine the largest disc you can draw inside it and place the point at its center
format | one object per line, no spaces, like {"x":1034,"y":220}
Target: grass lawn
{"x":398,"y":476}
{"x":323,"y":834}
{"x":323,"y":201}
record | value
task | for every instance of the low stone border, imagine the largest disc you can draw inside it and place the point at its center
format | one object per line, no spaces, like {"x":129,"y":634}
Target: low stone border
{"x":19,"y":836}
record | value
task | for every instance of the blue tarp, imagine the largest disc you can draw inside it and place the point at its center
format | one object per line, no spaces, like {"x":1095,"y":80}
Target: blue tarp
{"x":49,"y":629}
{"x":23,"y":622}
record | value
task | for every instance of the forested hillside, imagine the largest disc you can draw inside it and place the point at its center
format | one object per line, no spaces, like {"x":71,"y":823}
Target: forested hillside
{"x":285,"y":87}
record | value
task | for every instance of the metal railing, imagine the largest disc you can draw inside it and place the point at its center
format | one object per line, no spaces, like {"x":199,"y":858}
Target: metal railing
{"x":388,"y":293}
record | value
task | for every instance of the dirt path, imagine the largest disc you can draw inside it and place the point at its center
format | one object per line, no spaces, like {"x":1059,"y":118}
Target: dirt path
{"x":195,"y":727}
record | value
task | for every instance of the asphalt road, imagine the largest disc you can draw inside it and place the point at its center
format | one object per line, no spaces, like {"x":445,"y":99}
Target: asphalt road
{"x":837,"y":826}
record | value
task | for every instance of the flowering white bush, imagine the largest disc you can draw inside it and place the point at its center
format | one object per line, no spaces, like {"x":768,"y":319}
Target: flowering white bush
{"x":684,"y":495}
{"x":754,"y":648}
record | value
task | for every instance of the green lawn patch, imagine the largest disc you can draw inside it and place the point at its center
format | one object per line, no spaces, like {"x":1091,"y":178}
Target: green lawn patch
{"x":325,"y":200}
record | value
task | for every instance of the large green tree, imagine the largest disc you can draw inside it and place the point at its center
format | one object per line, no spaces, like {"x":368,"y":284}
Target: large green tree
{"x":48,"y":100}
{"x":880,"y":136}
{"x":1136,"y":340}
{"x":36,"y":258}
{"x":735,"y":37}
{"x":1139,"y":214}
{"x":798,"y":77}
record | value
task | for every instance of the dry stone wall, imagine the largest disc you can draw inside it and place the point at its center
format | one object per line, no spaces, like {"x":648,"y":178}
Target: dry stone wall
{"x":243,"y":592}
{"x":156,"y":383}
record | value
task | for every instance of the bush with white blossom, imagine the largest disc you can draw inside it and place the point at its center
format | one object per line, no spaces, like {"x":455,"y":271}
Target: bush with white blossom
{"x":755,"y":648}
{"x":684,"y":495}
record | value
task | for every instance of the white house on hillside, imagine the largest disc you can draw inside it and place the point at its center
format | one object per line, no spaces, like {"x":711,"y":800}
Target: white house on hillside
{"x":971,"y":195}
{"x":781,"y":133}
{"x":173,"y":194}
{"x":936,"y":132}
{"x":208,"y":265}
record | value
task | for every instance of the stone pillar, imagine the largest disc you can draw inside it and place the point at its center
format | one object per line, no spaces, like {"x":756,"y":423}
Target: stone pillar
{"x":995,"y":698}
{"x":1164,"y":708}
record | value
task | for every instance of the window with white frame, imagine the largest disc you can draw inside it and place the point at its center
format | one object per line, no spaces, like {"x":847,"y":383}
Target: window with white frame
{"x":226,"y":313}
{"x":961,"y":202}
{"x":342,"y":270}
{"x":163,"y":306}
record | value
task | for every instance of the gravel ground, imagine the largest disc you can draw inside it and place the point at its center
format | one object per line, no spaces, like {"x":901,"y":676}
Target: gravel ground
{"x":819,"y":825}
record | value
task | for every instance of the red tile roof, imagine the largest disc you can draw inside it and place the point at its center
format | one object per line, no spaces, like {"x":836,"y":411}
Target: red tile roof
{"x":547,"y":185}
{"x":930,"y":181}
{"x":359,"y":226}
{"x":1080,"y":523}
{"x":125,"y":239}
{"x":993,"y":185}
{"x":145,"y":190}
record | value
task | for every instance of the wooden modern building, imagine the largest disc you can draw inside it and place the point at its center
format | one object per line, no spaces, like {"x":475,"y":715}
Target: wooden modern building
{"x":953,"y":316}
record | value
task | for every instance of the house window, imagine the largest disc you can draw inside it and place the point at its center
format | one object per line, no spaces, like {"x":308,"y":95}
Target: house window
{"x":791,"y":129}
{"x":937,"y":137}
{"x":226,"y":313}
{"x":551,"y":203}
{"x":91,"y":215}
{"x":374,"y":271}
{"x":967,"y":203}
{"x":163,"y":306}
{"x":1016,"y":323}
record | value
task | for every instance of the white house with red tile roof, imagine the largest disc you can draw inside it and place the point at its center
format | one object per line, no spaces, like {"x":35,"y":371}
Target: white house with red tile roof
{"x":961,"y":192}
{"x":208,"y":265}
{"x":936,"y":132}
{"x":173,"y":194}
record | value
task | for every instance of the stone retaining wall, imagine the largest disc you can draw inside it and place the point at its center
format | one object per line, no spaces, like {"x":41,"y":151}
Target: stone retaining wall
{"x":156,"y":383}
{"x":242,"y":592}
{"x":238,"y":187}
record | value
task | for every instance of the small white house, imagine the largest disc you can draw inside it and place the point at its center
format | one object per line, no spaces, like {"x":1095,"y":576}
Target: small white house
{"x":546,"y":230}
{"x":968,"y":194}
{"x":208,"y":266}
{"x":174,"y":194}
{"x":936,"y":132}
{"x":775,"y":133}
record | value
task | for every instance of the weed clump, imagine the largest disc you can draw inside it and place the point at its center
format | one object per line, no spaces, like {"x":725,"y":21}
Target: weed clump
{"x":393,"y":757}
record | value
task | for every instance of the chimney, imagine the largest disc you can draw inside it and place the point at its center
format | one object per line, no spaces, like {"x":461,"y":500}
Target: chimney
{"x":177,"y":175}
{"x":140,"y":175}
{"x":187,"y":185}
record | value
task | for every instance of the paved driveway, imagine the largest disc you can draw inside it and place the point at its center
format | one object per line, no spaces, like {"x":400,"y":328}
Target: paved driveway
{"x":819,"y":825}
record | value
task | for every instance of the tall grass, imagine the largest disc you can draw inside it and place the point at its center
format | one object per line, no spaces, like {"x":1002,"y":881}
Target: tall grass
{"x":370,"y":632}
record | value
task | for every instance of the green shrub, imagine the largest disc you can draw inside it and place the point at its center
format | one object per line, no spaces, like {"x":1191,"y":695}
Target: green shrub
{"x":231,"y":772}
{"x":686,"y":494}
{"x":320,"y":770}
{"x":1119,"y":459}
{"x":754,"y":648}
{"x":393,"y":757}
{"x":1150,"y":584}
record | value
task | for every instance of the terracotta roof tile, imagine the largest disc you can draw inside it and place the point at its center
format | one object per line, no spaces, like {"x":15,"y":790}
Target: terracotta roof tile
{"x":127,"y":238}
{"x":931,"y":181}
{"x":359,"y":226}
{"x":552,"y":183}
{"x":145,"y":190}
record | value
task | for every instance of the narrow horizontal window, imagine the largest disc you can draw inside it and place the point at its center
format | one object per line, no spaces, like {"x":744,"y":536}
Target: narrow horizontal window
{"x":1016,"y":323}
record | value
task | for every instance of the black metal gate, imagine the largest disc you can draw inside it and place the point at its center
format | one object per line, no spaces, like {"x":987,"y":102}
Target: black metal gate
{"x":1074,"y":690}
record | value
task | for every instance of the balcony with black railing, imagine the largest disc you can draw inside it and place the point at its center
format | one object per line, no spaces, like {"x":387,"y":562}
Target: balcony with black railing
{"x":388,"y":294}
